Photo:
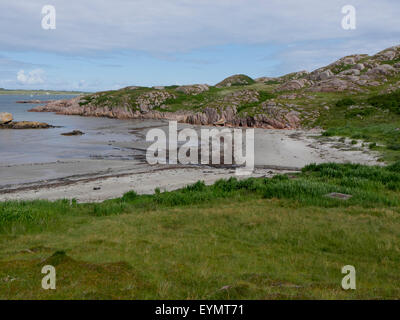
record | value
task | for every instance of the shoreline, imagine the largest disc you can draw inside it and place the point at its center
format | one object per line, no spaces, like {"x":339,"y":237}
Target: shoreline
{"x":96,"y":180}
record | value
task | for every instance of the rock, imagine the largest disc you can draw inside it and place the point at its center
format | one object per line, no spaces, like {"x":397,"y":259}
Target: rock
{"x":319,"y":75}
{"x":193,"y":89}
{"x":373,"y":83}
{"x":349,"y":60}
{"x":25,"y":125}
{"x":241,"y":97}
{"x":5,"y":117}
{"x":150,"y":100}
{"x":293,"y":85}
{"x":220,"y":122}
{"x":351,"y":72}
{"x":389,"y":55}
{"x":341,"y":196}
{"x":383,"y":69}
{"x":32,"y":101}
{"x":73,"y":133}
{"x":334,"y":85}
{"x":290,"y":96}
{"x":267,"y":79}
{"x":359,"y":66}
{"x":294,"y":76}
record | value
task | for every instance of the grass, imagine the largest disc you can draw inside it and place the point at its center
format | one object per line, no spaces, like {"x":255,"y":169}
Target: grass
{"x":390,"y":101}
{"x":279,"y":238}
{"x":373,"y":118}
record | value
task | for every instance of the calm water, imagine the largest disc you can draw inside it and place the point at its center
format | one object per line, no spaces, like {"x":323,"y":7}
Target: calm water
{"x":47,"y":145}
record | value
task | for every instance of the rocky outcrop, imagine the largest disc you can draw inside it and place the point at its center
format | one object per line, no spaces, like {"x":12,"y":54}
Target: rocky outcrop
{"x":73,"y":133}
{"x":320,"y":75}
{"x":334,"y":85}
{"x":150,"y":100}
{"x":275,"y":117}
{"x":388,"y":54}
{"x":381,"y":70}
{"x":241,"y":97}
{"x":350,"y":72}
{"x":25,"y":125}
{"x":32,"y":101}
{"x":5,"y":117}
{"x":293,"y":85}
{"x":193,"y":89}
{"x":244,"y":105}
{"x":267,"y":79}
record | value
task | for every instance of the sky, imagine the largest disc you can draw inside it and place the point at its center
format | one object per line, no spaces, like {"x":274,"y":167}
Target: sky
{"x":103,"y":44}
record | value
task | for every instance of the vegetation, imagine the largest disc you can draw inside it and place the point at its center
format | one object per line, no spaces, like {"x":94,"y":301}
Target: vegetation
{"x":390,"y":101}
{"x":280,"y":238}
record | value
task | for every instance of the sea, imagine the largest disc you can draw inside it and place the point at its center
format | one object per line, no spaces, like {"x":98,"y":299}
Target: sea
{"x":48,"y":145}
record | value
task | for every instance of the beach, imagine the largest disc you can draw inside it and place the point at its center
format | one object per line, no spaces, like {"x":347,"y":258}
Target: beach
{"x":101,"y":177}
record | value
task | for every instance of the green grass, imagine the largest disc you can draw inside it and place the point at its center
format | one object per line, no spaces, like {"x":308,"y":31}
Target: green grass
{"x":279,"y":238}
{"x":263,"y":96}
{"x":373,"y":118}
{"x":389,"y":101}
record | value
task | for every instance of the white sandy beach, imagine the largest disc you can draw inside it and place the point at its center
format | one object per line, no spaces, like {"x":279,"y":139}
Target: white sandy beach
{"x":95,"y":180}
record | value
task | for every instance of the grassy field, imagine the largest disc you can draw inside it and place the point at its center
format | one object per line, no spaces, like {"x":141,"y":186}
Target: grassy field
{"x":279,"y":238}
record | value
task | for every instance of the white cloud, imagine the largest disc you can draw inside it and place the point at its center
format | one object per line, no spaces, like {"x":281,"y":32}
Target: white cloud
{"x":171,"y":26}
{"x":35,"y":76}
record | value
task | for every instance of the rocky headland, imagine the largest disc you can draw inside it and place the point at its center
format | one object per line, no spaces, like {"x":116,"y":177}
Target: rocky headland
{"x":291,"y":101}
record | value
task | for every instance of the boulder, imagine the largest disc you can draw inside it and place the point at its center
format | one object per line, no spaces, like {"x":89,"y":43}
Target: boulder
{"x":351,"y":72}
{"x":73,"y":133}
{"x":359,"y":66}
{"x":381,"y":70}
{"x":5,"y":117}
{"x":319,"y":75}
{"x":293,"y":85}
{"x":349,"y":60}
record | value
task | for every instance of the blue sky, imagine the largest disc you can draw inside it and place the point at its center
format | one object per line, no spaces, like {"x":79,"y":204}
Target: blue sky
{"x":99,"y":44}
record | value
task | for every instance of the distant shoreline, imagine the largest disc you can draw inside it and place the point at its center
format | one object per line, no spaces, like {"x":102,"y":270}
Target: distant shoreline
{"x":39,"y":92}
